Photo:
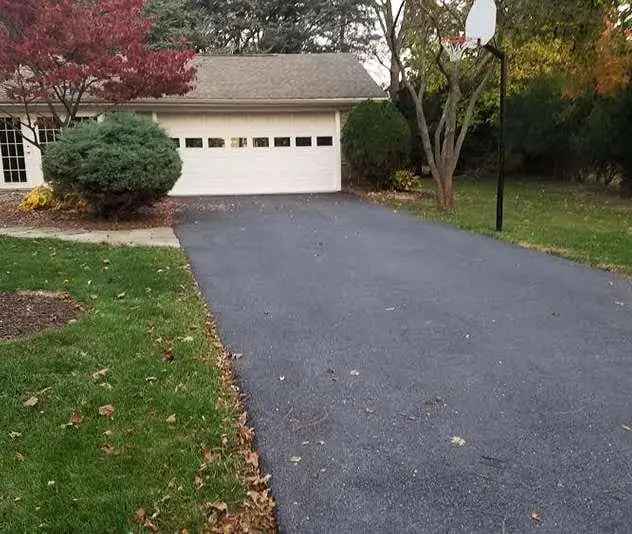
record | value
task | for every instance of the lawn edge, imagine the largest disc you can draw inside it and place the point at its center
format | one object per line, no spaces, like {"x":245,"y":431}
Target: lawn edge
{"x":568,"y":254}
{"x":256,"y":514}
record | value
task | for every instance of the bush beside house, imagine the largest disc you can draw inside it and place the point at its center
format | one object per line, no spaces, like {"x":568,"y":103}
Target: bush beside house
{"x":376,"y":142}
{"x":118,"y":165}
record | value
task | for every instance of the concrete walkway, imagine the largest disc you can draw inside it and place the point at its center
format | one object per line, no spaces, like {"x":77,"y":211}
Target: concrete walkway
{"x":149,"y":237}
{"x":406,"y":377}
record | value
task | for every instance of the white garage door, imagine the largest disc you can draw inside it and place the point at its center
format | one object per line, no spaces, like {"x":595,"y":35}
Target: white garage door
{"x":255,"y":154}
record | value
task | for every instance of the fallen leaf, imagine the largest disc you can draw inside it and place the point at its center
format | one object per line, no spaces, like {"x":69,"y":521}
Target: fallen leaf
{"x":19,"y":457}
{"x":106,"y":448}
{"x":75,"y":419}
{"x":353,"y":372}
{"x":151,"y":526}
{"x":32,"y":401}
{"x":282,"y":378}
{"x":121,"y":295}
{"x":100,"y":374}
{"x":457,"y":441}
{"x":167,"y":354}
{"x":626,"y":427}
{"x":44,"y":391}
{"x":252,"y":458}
{"x":50,"y":483}
{"x":219,"y":506}
{"x":108,"y":433}
{"x":187,"y":339}
{"x":15,"y":435}
{"x":151,"y":378}
{"x":536,"y":516}
{"x":106,"y":410}
{"x":199,"y":481}
{"x":139,"y":516}
{"x":171,"y":420}
{"x":295,"y":459}
{"x":208,"y":455}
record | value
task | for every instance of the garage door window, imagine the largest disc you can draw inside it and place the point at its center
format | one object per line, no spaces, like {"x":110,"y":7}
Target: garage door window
{"x":216,"y":142}
{"x":176,"y":142}
{"x":193,"y":142}
{"x":325,"y":141}
{"x":238,"y":142}
{"x":281,"y":141}
{"x":303,"y":141}
{"x":261,"y":142}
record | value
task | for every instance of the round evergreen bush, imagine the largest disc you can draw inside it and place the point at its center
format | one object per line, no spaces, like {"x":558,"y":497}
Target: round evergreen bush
{"x":376,"y":141}
{"x":118,"y":165}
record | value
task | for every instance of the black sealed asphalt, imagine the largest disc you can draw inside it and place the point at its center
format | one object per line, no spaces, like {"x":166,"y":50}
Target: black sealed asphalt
{"x":370,"y":340}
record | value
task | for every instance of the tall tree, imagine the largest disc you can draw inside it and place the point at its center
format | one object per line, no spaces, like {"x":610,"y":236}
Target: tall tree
{"x":264,"y":26}
{"x":423,"y":65}
{"x":60,"y":52}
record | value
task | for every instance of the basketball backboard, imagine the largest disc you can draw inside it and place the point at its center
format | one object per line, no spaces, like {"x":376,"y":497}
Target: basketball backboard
{"x":480,"y":26}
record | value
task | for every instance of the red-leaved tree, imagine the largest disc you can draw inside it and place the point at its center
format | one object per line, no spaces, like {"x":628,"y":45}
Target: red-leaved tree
{"x":56,"y":54}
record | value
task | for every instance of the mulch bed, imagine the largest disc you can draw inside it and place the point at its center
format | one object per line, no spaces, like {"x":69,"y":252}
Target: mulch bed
{"x":161,"y":214}
{"x":24,"y":312}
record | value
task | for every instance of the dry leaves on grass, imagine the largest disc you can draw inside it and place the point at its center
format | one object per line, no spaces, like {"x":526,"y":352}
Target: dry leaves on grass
{"x":100,"y":374}
{"x":208,"y":455}
{"x":171,"y":420}
{"x":75,"y":419}
{"x":106,"y":448}
{"x":535,"y":515}
{"x":256,"y":513}
{"x":107,"y":410}
{"x":19,"y":457}
{"x":30,"y":402}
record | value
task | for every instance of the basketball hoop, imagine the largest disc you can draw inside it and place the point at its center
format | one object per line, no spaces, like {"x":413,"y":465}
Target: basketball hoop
{"x":455,"y":46}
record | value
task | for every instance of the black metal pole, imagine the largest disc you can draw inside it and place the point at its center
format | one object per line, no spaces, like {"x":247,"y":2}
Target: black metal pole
{"x":500,"y":194}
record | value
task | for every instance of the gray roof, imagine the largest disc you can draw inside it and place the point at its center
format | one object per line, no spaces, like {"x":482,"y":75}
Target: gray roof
{"x":282,"y":77}
{"x":274,"y":77}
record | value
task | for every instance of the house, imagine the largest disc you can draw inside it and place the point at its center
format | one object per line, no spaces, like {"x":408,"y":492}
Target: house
{"x":253,"y":125}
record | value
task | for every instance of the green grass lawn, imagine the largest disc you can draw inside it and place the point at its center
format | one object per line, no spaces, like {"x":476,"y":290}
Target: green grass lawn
{"x":571,"y":221}
{"x":139,"y":304}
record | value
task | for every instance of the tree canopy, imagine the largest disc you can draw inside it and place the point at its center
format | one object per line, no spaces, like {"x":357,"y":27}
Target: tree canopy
{"x":264,"y":26}
{"x":61,"y":51}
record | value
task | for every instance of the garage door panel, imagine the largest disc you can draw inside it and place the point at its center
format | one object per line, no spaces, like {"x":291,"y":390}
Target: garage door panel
{"x":256,"y":170}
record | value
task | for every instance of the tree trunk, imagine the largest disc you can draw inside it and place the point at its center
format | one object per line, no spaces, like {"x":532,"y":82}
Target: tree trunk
{"x":445,"y":194}
{"x":395,"y":85}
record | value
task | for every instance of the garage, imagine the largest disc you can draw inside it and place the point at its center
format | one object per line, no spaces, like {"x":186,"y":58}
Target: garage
{"x":258,"y":124}
{"x":246,"y":154}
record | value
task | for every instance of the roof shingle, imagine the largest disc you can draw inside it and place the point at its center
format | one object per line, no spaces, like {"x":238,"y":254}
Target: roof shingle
{"x":282,"y":77}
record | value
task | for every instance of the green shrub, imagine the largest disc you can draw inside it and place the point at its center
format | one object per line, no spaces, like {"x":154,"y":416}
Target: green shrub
{"x":376,"y":141}
{"x":404,"y":180}
{"x":117,"y":166}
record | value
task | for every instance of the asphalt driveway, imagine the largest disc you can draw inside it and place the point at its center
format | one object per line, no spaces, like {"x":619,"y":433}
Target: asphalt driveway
{"x":370,"y":339}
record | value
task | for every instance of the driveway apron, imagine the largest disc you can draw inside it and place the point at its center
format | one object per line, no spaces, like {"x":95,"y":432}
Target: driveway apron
{"x":407,"y":377}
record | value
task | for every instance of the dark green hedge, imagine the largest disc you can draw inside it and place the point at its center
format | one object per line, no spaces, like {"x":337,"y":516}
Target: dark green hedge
{"x":376,"y":141}
{"x":117,"y":165}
